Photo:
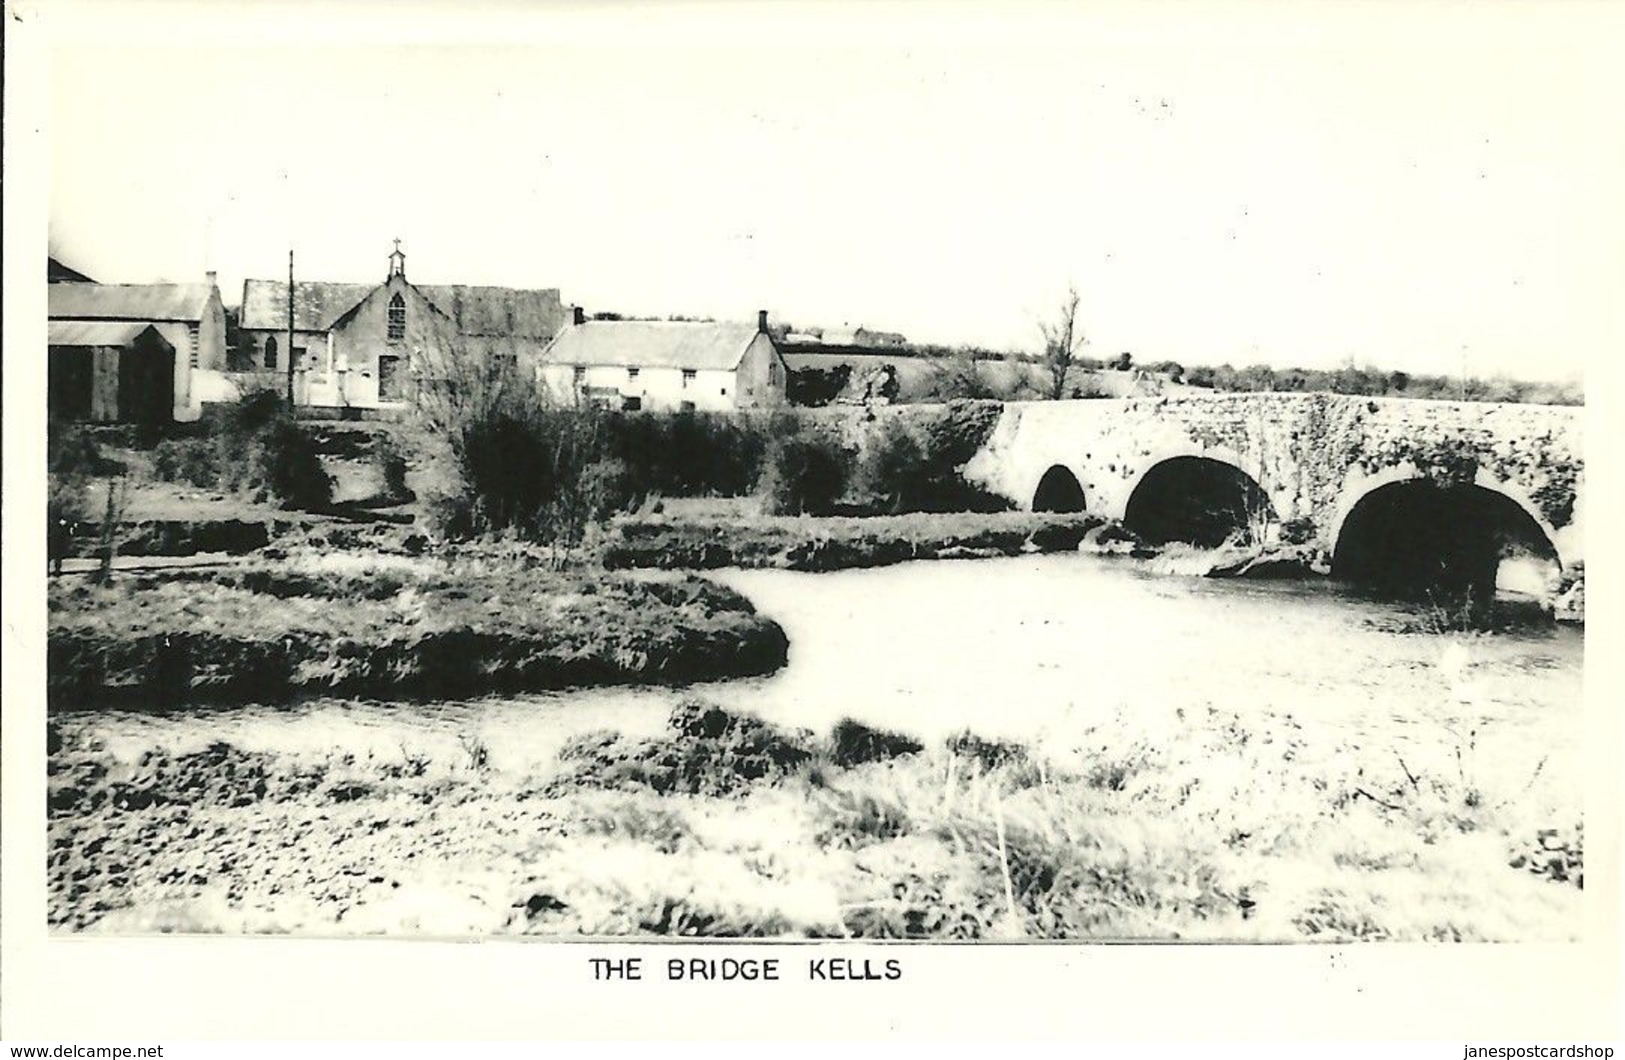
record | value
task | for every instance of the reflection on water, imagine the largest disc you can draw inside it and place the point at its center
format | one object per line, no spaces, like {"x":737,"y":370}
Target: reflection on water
{"x":1018,"y":648}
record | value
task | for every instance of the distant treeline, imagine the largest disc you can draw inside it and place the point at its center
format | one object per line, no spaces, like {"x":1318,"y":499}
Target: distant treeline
{"x":1370,"y":382}
{"x":955,"y":377}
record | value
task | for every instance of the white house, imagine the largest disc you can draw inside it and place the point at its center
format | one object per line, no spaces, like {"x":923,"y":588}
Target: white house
{"x":664,"y":365}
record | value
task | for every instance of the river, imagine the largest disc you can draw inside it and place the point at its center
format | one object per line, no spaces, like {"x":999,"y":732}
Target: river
{"x":1035,"y":648}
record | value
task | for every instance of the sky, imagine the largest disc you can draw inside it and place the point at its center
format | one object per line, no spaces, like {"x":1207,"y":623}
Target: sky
{"x":1429,"y":187}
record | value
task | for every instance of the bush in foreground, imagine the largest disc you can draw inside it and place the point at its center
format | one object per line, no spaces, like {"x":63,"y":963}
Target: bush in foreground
{"x":713,"y":751}
{"x":254,"y":446}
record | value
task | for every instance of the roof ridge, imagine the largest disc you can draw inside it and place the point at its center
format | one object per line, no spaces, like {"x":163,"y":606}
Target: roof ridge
{"x":154,"y":283}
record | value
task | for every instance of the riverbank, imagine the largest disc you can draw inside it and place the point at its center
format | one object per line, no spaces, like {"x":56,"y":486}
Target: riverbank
{"x":389,"y":626}
{"x":1158,"y":825}
{"x":721,"y":535}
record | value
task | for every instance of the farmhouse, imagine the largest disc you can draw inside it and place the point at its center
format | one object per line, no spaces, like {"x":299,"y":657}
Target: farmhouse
{"x":377,"y":347}
{"x":189,"y":317}
{"x":664,"y":365}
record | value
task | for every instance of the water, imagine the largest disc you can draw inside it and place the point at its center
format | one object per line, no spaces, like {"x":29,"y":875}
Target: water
{"x":1036,"y":648}
{"x":1032,"y":648}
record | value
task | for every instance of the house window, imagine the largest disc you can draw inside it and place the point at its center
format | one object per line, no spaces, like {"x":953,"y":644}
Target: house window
{"x":631,"y":375}
{"x":580,"y":374}
{"x":270,"y":351}
{"x":724,"y":391}
{"x":688,"y":376}
{"x":773,"y":372}
{"x":298,"y":358}
{"x":397,"y":318}
{"x":630,"y":403}
{"x":191,"y":344}
{"x":686,"y":406}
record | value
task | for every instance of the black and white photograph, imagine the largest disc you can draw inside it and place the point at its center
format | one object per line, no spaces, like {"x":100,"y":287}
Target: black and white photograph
{"x":913,"y":474}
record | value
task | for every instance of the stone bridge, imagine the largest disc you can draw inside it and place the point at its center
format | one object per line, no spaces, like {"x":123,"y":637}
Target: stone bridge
{"x":1355,"y":476}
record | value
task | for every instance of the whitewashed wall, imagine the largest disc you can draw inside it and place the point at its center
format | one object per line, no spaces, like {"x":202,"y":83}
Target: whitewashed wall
{"x":660,"y":389}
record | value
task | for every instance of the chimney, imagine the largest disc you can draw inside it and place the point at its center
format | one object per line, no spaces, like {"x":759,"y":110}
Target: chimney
{"x":210,"y":278}
{"x":578,"y":315}
{"x":761,"y":321}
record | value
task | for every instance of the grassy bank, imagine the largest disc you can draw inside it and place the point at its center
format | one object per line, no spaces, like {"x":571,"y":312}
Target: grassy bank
{"x":389,"y":626}
{"x":722,"y":534}
{"x":1186,"y":826}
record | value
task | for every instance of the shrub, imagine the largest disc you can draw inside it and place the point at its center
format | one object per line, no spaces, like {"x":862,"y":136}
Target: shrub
{"x":547,"y":473}
{"x":688,"y":454}
{"x":853,"y":743}
{"x":71,"y":451}
{"x":540,"y":472}
{"x":803,"y":474}
{"x":816,"y":387}
{"x":66,"y":506}
{"x":933,"y":482}
{"x":255,"y":446}
{"x":606,"y":488}
{"x":710,"y":751}
{"x":284,"y":465}
{"x":956,"y":376}
{"x":391,"y":463}
{"x":963,"y":428}
{"x":195,"y":461}
{"x":1090,"y":387}
{"x":892,"y":475}
{"x":992,"y":754}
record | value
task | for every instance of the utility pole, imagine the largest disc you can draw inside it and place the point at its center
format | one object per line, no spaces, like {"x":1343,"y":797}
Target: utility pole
{"x":290,"y":329}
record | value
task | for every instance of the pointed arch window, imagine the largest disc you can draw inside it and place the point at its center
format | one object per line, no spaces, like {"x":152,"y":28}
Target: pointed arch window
{"x":270,"y":351}
{"x":397,"y":318}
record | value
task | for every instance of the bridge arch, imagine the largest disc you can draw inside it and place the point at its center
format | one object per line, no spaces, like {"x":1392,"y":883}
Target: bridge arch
{"x":1408,"y":533}
{"x":1200,"y":499}
{"x":1059,"y":490}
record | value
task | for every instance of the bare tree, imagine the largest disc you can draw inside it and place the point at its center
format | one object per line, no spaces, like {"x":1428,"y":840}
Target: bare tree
{"x":111,"y":530}
{"x":459,"y":383}
{"x":1062,"y":341}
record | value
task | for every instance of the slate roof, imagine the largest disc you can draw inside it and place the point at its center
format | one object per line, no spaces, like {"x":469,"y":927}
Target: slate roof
{"x":316,"y":304}
{"x":499,"y":311}
{"x":652,"y":344}
{"x":504,"y":312}
{"x":94,"y":332}
{"x":128,"y":301}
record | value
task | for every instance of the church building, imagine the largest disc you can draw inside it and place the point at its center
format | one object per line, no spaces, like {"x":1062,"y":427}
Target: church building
{"x":378,"y":346}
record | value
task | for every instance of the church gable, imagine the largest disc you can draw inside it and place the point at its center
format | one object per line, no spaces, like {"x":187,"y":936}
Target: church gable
{"x":394,"y":316}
